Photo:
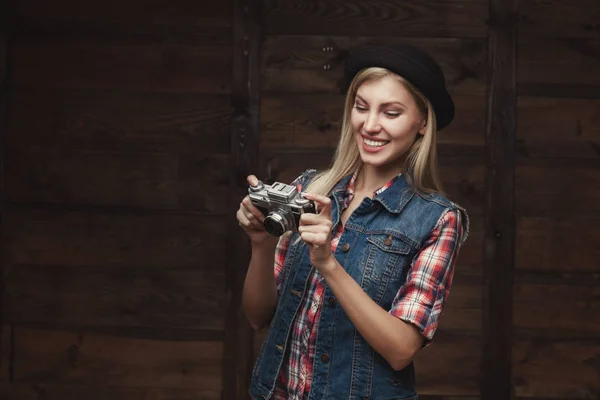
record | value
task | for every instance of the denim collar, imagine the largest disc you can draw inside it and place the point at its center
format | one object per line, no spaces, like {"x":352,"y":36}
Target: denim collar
{"x":394,"y":198}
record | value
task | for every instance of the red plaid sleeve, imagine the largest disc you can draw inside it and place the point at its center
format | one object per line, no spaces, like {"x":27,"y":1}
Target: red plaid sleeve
{"x":281,"y":249}
{"x":421,"y":299}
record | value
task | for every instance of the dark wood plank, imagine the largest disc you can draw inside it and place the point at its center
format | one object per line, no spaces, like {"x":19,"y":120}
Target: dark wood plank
{"x":191,"y":298}
{"x":11,"y":391}
{"x":461,"y":18}
{"x":181,"y":21}
{"x":554,"y":244}
{"x":558,"y":307}
{"x":557,"y":127}
{"x":5,"y":350}
{"x":118,"y":179}
{"x":100,"y":239}
{"x":313,"y":64}
{"x":559,"y":90}
{"x":85,"y":64}
{"x":116,"y":149}
{"x":77,"y":358}
{"x":314,"y":121}
{"x":548,"y":189}
{"x":450,"y":366}
{"x":558,"y":61}
{"x":238,"y":355}
{"x":23,"y":391}
{"x":55,"y":175}
{"x":499,"y":239}
{"x":556,"y":18}
{"x":116,"y":121}
{"x":554,"y":369}
{"x":462,"y":311}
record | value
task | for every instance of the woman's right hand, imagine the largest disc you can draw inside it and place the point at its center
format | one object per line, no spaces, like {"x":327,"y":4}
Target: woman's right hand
{"x":251,"y":220}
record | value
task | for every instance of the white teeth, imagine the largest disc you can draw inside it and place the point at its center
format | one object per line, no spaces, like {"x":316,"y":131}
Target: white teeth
{"x":373,"y":143}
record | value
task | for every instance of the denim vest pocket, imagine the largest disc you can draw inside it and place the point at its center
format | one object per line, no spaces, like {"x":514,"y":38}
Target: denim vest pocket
{"x":386,"y":256}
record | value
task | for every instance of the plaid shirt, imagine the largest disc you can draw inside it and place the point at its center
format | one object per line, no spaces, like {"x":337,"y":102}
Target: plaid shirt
{"x":419,"y":301}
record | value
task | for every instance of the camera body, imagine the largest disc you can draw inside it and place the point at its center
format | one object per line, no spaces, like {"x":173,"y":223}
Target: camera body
{"x":281,"y":204}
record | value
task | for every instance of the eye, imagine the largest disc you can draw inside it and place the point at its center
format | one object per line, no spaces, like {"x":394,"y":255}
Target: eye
{"x":360,"y":108}
{"x":392,"y":114}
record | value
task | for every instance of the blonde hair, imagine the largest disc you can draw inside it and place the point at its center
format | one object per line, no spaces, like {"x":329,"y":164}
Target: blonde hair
{"x":420,"y":167}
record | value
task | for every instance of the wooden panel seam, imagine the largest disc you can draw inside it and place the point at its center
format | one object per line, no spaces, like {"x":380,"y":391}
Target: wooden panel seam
{"x":499,"y":239}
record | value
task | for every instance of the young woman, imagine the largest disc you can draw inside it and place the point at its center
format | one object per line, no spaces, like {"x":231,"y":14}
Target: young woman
{"x":360,"y":288}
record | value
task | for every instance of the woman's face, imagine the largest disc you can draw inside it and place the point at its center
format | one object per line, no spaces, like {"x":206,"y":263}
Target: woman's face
{"x":386,"y":121}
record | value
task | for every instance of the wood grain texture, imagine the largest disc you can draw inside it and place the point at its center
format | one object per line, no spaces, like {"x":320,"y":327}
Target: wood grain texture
{"x":299,"y":64}
{"x":499,"y":209}
{"x":558,"y":127}
{"x":191,"y":182}
{"x":383,"y":18}
{"x":190,"y":298}
{"x":556,"y":18}
{"x":556,"y":369}
{"x":77,"y":358}
{"x":305,"y":121}
{"x":243,"y":161}
{"x":559,"y":308}
{"x":116,"y":149}
{"x":545,"y":190}
{"x":554,"y":244}
{"x":102,"y":239}
{"x":86,"y":64}
{"x":117,"y":121}
{"x":23,"y":391}
{"x":450,"y":366}
{"x":181,"y":21}
{"x":558,"y":61}
{"x":5,"y":351}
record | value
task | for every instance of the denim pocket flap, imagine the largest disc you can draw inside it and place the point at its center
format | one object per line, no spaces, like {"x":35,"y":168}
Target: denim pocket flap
{"x":389,"y":242}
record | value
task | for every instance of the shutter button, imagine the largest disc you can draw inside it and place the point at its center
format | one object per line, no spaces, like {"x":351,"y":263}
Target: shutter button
{"x":345,"y":247}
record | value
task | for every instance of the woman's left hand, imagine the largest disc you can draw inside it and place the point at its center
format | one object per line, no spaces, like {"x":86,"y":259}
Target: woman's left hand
{"x":315,"y":231}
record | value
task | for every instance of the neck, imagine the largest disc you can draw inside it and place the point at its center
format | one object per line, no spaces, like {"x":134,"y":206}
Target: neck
{"x":371,"y":178}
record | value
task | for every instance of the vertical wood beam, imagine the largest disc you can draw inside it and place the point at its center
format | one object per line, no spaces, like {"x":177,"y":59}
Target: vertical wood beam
{"x":499,"y":240}
{"x":6,"y":29}
{"x":238,"y":349}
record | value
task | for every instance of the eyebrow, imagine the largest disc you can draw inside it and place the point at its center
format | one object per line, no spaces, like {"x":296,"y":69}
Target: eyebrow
{"x":384,"y":104}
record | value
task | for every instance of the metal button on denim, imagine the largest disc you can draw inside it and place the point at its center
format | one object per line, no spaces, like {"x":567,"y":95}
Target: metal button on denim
{"x":324,"y":358}
{"x":345,"y":247}
{"x":331,"y":301}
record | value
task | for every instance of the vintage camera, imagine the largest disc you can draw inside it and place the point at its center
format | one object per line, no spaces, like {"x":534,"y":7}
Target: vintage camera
{"x":282,"y":206}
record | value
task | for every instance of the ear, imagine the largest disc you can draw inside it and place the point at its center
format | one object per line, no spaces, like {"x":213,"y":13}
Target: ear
{"x":423,"y":127}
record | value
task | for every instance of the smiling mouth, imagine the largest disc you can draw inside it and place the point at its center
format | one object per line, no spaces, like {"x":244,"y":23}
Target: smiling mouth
{"x":375,"y":143}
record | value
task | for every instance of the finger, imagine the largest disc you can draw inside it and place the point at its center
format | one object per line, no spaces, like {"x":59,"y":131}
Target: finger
{"x":315,"y":220}
{"x":315,"y":239}
{"x":250,"y":208}
{"x":242,"y":219}
{"x":247,"y":220}
{"x":252,"y":180}
{"x":323,"y":202}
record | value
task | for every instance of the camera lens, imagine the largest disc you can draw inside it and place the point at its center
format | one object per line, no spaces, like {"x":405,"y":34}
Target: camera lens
{"x":275,"y":224}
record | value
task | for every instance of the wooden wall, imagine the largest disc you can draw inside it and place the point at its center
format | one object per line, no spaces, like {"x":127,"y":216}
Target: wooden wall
{"x":114,"y":224}
{"x":130,"y":126}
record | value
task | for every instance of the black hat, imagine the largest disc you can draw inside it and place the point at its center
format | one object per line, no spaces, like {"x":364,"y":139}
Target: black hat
{"x":414,"y":65}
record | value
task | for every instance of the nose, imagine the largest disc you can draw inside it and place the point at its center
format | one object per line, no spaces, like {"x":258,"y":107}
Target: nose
{"x":372,"y":124}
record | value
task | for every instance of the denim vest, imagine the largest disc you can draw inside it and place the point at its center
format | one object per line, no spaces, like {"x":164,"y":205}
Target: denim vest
{"x":380,"y":240}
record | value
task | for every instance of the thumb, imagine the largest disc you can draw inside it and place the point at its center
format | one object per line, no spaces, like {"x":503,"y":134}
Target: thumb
{"x":252,"y":180}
